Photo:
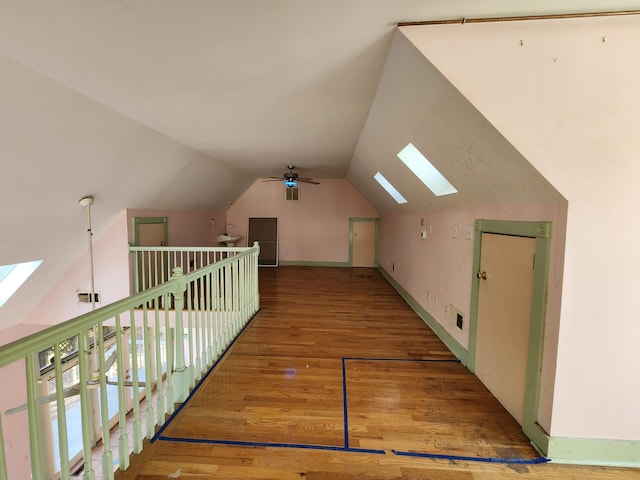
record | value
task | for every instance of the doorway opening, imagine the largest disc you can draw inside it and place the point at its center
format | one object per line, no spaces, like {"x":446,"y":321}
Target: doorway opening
{"x":363,"y":242}
{"x":264,"y":230}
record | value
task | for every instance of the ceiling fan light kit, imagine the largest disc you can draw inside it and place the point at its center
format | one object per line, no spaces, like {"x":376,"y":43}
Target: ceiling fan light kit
{"x":291,"y":178}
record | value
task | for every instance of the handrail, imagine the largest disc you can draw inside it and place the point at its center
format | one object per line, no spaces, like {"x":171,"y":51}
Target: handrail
{"x":169,"y":334}
{"x":153,"y":265}
{"x":39,"y":341}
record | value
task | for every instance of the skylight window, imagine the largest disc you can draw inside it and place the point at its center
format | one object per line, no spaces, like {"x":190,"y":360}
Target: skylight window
{"x":425,"y":171}
{"x":13,"y":276}
{"x":391,"y":190}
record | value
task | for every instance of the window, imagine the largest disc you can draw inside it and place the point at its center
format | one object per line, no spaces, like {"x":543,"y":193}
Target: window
{"x":425,"y":171}
{"x":13,"y":276}
{"x":391,"y":190}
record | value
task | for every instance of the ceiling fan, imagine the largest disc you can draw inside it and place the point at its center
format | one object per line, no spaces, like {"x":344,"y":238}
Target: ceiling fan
{"x":291,"y":178}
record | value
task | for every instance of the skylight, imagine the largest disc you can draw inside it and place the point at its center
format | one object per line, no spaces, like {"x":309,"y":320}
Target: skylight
{"x":391,"y":190}
{"x":13,"y":276}
{"x":425,"y":171}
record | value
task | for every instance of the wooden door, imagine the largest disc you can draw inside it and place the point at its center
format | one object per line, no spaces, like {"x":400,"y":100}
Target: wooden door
{"x":363,"y":244}
{"x":264,"y":230}
{"x":504,"y":310}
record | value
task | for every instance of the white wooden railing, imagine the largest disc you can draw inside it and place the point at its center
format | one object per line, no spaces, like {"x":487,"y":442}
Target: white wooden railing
{"x":142,"y":354}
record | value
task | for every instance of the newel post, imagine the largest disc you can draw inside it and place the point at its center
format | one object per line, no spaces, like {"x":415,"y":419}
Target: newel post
{"x":254,"y":274}
{"x":180,"y":374}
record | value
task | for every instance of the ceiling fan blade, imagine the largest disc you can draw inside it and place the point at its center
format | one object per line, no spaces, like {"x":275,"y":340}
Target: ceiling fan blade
{"x":274,"y":179}
{"x":308,"y":180}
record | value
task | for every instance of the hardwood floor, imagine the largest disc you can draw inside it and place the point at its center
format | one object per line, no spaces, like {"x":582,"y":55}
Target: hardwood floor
{"x":337,"y":378}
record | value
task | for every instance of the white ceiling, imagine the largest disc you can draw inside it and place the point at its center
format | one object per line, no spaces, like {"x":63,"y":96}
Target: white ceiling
{"x":183,"y":104}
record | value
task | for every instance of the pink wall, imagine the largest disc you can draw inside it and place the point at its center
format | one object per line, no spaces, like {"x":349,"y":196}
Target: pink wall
{"x":111,"y":262}
{"x":541,"y":97}
{"x":442,"y":265}
{"x":186,"y":228}
{"x":111,"y":266}
{"x":15,"y":428}
{"x":314,"y":229}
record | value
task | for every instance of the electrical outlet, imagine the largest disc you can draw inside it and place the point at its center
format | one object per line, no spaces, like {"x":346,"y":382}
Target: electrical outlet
{"x":468,"y":232}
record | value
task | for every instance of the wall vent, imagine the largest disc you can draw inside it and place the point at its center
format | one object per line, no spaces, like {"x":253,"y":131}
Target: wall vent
{"x":85,"y":297}
{"x":291,"y":194}
{"x":455,"y":316}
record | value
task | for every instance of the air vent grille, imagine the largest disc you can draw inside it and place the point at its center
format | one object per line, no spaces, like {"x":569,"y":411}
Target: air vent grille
{"x":85,"y":297}
{"x":292,"y":194}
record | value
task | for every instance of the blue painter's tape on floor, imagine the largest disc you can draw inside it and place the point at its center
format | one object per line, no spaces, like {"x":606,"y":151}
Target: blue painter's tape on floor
{"x":344,"y":405}
{"x":159,"y":435}
{"x":426,"y":360}
{"x":520,"y":461}
{"x":270,"y":444}
{"x":195,"y":389}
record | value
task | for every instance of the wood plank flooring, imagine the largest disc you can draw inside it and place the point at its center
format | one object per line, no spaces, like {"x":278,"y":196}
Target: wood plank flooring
{"x":337,"y":378}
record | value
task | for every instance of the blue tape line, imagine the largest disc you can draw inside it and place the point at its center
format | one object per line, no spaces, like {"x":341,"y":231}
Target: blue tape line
{"x":344,"y":404}
{"x":374,"y":359}
{"x":520,"y":461}
{"x":270,"y":444}
{"x":195,"y":389}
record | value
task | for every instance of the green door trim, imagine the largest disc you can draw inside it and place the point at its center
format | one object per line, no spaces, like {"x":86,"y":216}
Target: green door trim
{"x":149,"y":221}
{"x":541,"y":231}
{"x":363,"y":219}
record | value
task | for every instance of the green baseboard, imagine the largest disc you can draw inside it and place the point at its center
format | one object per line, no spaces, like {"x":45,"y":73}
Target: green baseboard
{"x":302,"y":263}
{"x":579,"y":451}
{"x":594,"y":451}
{"x":458,"y":350}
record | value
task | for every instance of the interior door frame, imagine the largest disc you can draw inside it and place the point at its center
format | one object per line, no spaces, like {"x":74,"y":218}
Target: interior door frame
{"x":251,"y":240}
{"x":137,"y":221}
{"x":541,"y":231}
{"x":375,"y":246}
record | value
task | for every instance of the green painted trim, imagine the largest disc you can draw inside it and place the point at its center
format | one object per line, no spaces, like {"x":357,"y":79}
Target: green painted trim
{"x":541,"y":231}
{"x":458,"y":350}
{"x":377,"y":226}
{"x":536,"y":334}
{"x":149,"y":221}
{"x":595,"y":451}
{"x":302,"y":263}
{"x":518,"y":229}
{"x":539,"y":439}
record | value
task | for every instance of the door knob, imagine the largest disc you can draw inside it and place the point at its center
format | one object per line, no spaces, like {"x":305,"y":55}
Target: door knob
{"x":481,"y":275}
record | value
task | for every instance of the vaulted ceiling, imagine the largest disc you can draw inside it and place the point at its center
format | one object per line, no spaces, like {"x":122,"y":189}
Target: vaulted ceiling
{"x":182,"y":105}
